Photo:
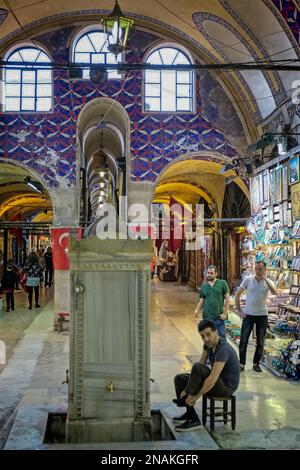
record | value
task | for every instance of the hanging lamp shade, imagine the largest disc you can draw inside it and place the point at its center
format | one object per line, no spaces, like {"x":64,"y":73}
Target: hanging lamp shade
{"x":116,"y":27}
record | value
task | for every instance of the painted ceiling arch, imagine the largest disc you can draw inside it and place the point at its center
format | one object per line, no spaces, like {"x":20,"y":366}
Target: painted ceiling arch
{"x":274,"y":32}
{"x":188,"y":179}
{"x":232,"y":47}
{"x":271,"y":34}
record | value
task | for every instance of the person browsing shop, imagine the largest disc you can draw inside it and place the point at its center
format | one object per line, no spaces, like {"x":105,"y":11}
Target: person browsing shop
{"x":257,"y":288}
{"x":214,"y":300}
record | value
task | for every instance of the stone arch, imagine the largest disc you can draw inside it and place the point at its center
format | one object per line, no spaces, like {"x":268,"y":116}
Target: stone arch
{"x":213,"y":161}
{"x":36,"y":175}
{"x":114,"y":118}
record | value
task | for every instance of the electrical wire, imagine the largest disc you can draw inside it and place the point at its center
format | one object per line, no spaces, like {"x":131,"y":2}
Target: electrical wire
{"x":230,"y":46}
{"x":10,"y":9}
{"x":30,"y":5}
{"x":129,"y":75}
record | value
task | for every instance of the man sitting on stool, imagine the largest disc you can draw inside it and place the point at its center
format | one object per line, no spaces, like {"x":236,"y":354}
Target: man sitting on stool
{"x":220,"y":381}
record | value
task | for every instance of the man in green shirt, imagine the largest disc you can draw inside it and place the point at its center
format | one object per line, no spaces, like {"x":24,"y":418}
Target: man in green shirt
{"x":214,"y":300}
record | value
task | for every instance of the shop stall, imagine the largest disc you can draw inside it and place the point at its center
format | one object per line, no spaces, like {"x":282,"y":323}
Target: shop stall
{"x":273,"y":235}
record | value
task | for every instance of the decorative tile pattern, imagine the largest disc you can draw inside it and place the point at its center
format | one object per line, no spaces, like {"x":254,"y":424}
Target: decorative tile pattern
{"x":290,"y":11}
{"x":3,"y":15}
{"x":47,"y":142}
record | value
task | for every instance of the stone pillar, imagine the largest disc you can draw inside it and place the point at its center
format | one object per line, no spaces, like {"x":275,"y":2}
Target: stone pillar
{"x":109,"y":341}
{"x":65,"y":207}
{"x":141,"y":193}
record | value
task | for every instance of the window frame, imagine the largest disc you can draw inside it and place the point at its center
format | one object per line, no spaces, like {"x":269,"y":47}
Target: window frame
{"x":84,"y":32}
{"x":22,"y":69}
{"x":191,"y":84}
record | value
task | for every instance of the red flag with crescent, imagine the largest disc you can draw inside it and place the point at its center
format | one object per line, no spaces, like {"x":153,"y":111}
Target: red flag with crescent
{"x":60,"y":247}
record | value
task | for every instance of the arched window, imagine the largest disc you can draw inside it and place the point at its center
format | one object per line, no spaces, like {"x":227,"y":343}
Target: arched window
{"x":91,"y":47}
{"x":169,"y":90}
{"x":27,"y":87}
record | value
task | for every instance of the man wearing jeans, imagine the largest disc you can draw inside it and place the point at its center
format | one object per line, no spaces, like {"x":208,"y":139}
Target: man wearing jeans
{"x":256,"y":312}
{"x":214,"y":300}
{"x":221,"y":380}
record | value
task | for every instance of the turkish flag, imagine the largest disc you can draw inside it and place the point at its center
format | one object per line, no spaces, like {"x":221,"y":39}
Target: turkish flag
{"x":60,"y":247}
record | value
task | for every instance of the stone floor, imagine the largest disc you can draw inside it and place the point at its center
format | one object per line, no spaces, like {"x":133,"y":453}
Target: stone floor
{"x":268,"y":407}
{"x":31,"y":383}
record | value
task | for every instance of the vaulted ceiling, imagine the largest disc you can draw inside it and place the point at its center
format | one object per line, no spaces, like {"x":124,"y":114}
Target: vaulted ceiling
{"x":217,"y":31}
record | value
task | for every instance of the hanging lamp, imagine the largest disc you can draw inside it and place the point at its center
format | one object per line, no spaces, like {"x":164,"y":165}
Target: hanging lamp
{"x":116,"y":27}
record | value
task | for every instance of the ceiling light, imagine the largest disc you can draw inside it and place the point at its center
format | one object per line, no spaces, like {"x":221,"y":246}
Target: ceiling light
{"x":225,"y":168}
{"x":264,"y":141}
{"x":116,"y":27}
{"x":229,"y":179}
{"x":34,"y":184}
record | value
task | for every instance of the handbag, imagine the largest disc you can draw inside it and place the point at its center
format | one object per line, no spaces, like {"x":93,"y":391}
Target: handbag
{"x":23,"y":280}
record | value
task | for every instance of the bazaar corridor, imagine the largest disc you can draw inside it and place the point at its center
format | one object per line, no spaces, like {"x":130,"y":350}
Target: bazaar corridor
{"x":267,"y":406}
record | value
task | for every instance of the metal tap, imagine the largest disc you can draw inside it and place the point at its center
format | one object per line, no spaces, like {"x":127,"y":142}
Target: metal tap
{"x":110,"y":386}
{"x":67,"y":377}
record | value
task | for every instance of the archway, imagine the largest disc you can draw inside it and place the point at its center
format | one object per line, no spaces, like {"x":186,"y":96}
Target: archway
{"x":198,"y":180}
{"x":26,"y":211}
{"x":103,"y":157}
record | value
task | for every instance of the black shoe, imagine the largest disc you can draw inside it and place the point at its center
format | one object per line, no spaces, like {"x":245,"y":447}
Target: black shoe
{"x":179,"y":401}
{"x":181,"y":419}
{"x":37,"y":305}
{"x":242,"y":368}
{"x":257,"y":368}
{"x":30,"y":307}
{"x":189,"y":425}
{"x":7,"y":309}
{"x":12,"y":309}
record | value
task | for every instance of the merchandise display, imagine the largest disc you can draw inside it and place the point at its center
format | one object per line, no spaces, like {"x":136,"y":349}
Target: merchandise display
{"x":273,"y":238}
{"x":234,"y":322}
{"x":287,"y":362}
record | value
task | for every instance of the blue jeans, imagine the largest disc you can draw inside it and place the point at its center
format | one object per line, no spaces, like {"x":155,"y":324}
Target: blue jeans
{"x":261,"y":322}
{"x":220,"y":325}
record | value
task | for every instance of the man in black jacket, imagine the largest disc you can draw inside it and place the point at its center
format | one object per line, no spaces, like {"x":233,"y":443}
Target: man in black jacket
{"x":8,"y":283}
{"x":48,"y":267}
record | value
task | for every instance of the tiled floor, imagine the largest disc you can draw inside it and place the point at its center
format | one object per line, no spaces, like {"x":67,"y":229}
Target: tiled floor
{"x":268,"y":413}
{"x":268,"y":408}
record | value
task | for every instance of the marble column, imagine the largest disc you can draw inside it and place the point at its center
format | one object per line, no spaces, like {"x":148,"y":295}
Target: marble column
{"x":65,"y":209}
{"x":109,"y":341}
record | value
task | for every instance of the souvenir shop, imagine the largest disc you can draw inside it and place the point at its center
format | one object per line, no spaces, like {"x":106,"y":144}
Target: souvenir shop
{"x":273,"y":235}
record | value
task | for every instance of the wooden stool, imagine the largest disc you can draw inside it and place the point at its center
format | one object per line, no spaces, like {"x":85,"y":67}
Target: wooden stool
{"x":225,"y":414}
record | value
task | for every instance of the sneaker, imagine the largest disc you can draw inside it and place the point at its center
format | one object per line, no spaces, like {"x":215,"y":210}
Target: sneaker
{"x":37,"y":305}
{"x":257,"y":368}
{"x":180,"y":419}
{"x":242,"y":368}
{"x":189,"y":425}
